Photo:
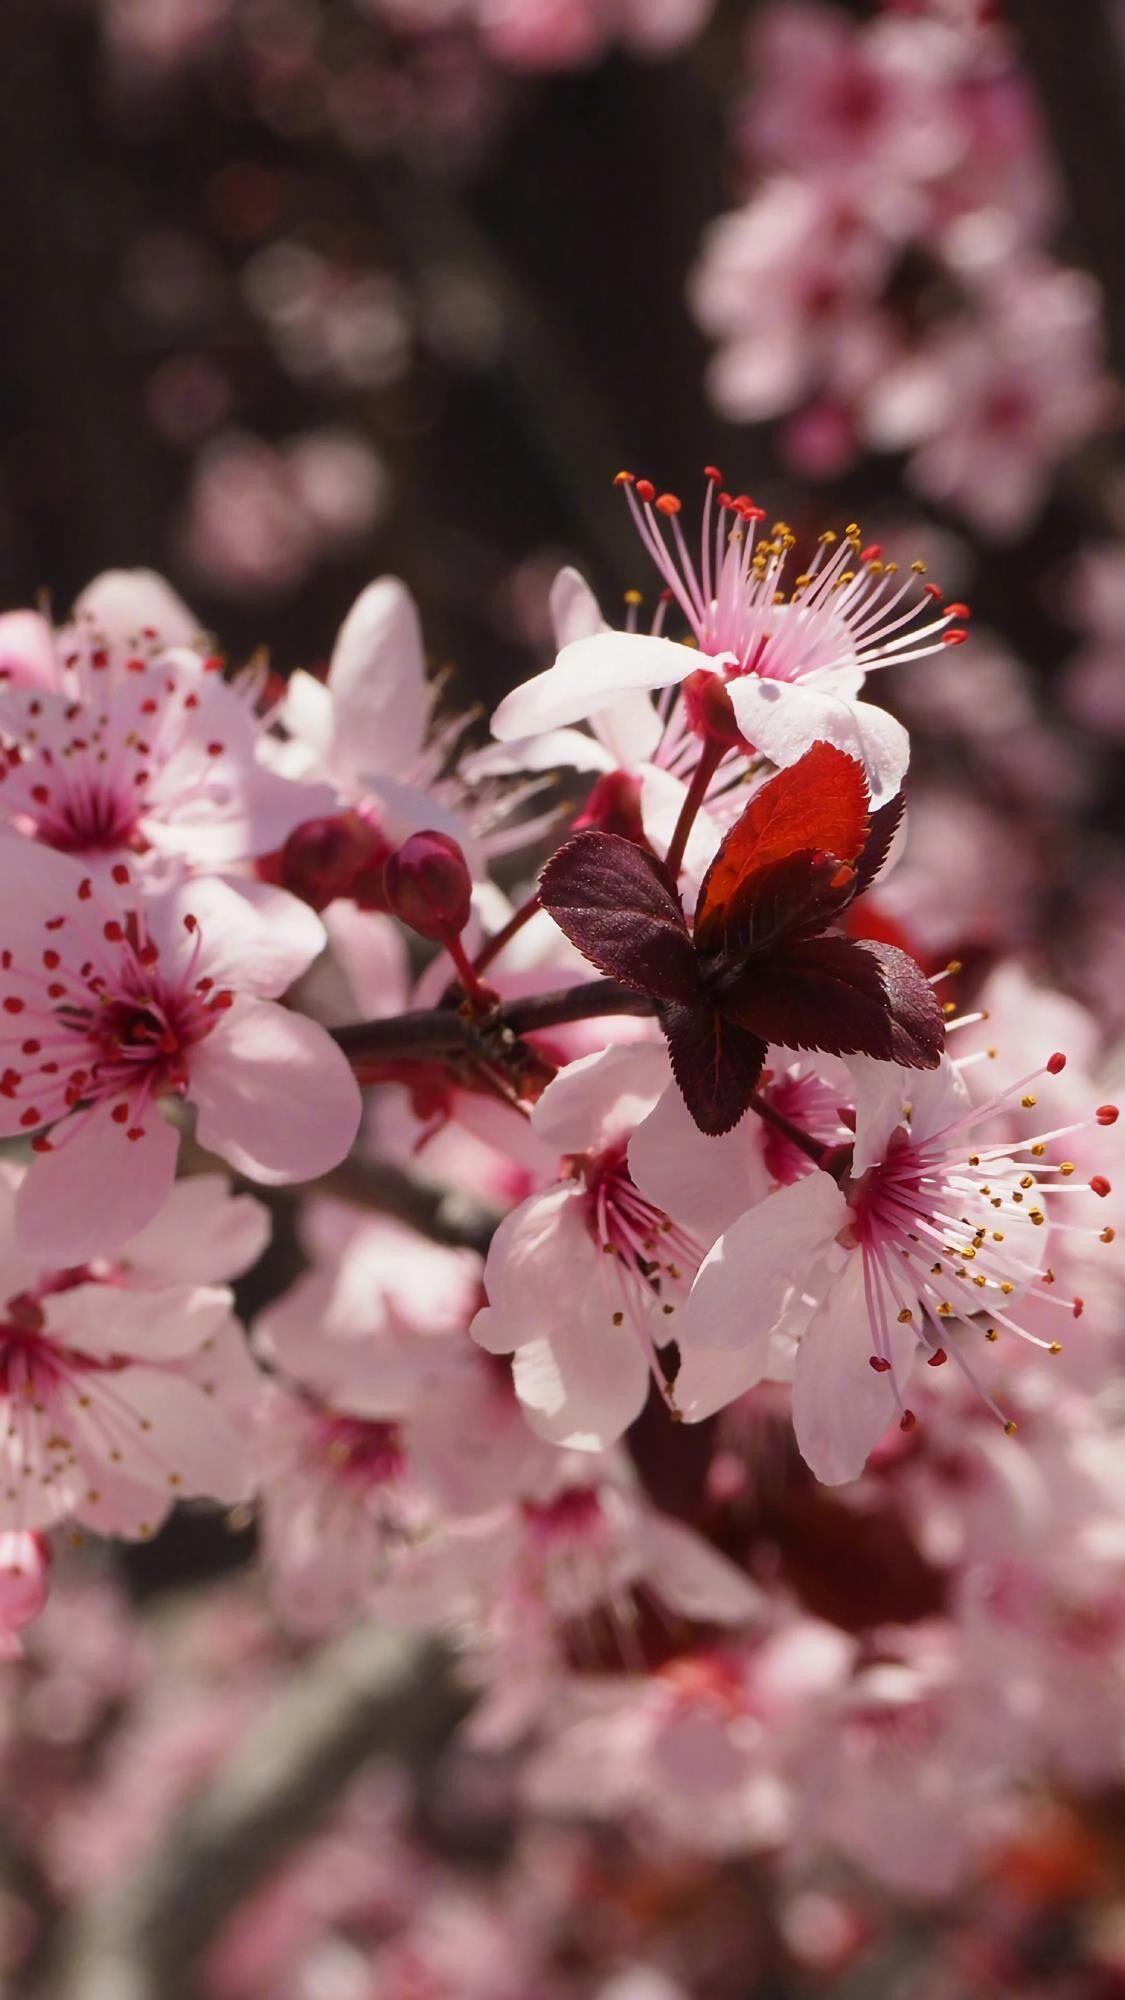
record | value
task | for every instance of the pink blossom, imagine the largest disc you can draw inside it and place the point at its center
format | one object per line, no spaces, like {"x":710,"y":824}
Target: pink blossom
{"x":993,"y":401}
{"x":25,"y":1577}
{"x":792,"y":665}
{"x":861,"y":1271}
{"x":123,"y":740}
{"x":119,"y":1395}
{"x":109,"y":1010}
{"x":583,"y":1279}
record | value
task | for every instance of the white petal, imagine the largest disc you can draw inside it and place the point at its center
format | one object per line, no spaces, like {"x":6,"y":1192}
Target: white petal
{"x":785,"y":718}
{"x":586,"y":677}
{"x":746,"y":1280}
{"x":841,"y":1405}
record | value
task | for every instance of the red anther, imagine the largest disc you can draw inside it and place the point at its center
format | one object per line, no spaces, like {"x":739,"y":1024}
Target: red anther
{"x":30,"y":1117}
{"x":213,"y":665}
{"x":135,"y":1132}
{"x":12,"y":1005}
{"x":1056,"y":1063}
{"x":215,"y":749}
{"x":191,"y":701}
{"x":1107,"y":1114}
{"x":120,"y":1114}
{"x":120,"y":873}
{"x":955,"y":638}
{"x":725,"y":500}
{"x":10,"y":1082}
{"x":908,"y":1421}
{"x":428,"y":885}
{"x":112,"y":932}
{"x":624,"y":479}
{"x":42,"y":1145}
{"x":30,"y":1048}
{"x":41,"y":794}
{"x":749,"y":512}
{"x":1078,"y":1308}
{"x":712,"y":473}
{"x":1101,"y":1186}
{"x":51,"y":960}
{"x":871,"y":553}
{"x":937,"y":1359}
{"x":669,"y":504}
{"x":646,"y":491}
{"x":85,"y":889}
{"x":933,"y":590}
{"x":191,"y":924}
{"x":877,"y":1362}
{"x":223,"y":1000}
{"x":958,"y":611}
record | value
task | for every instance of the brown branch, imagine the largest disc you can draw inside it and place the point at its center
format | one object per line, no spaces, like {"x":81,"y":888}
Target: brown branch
{"x":368,"y":1692}
{"x":438,"y":1032}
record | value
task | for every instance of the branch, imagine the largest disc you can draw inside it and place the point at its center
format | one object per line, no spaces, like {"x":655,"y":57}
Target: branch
{"x":439,"y":1032}
{"x":1076,"y":62}
{"x":368,"y":1692}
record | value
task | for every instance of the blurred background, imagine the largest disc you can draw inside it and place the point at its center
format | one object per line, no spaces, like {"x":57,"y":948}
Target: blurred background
{"x":296,"y":292}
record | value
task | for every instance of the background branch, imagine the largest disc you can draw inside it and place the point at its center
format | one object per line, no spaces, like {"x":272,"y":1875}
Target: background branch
{"x":442,"y":1031}
{"x":368,"y":1692}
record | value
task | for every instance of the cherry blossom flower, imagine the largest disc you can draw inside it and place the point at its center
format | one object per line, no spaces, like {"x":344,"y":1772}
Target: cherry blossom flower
{"x":583,"y":1279}
{"x":108,"y":1011}
{"x":122,"y":741}
{"x":792,"y":665}
{"x":123,"y":1387}
{"x":867,"y":1268}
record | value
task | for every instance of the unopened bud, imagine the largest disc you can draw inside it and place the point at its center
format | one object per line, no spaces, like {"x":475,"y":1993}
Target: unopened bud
{"x":614,"y":806}
{"x":429,"y":886}
{"x":327,"y":858}
{"x":709,"y":709}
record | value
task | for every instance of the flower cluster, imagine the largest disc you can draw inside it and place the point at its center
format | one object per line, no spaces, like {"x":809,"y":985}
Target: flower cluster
{"x":711,"y":1331}
{"x":887,"y":283}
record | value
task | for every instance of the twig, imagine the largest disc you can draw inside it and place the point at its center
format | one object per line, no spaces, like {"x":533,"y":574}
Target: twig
{"x":439,"y":1032}
{"x":367,"y":1692}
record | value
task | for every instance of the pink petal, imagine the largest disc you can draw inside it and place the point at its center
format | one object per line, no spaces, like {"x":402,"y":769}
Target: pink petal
{"x":746,"y":1279}
{"x":106,"y":1320}
{"x":274,"y":1095}
{"x":96,"y":1187}
{"x":27,"y":651}
{"x":841,"y":1405}
{"x":586,"y":1384}
{"x":202,"y":1235}
{"x":377,"y":679}
{"x":255,"y":938}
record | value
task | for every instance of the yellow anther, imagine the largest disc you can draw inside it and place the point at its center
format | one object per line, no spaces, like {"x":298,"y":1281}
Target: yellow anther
{"x":1029,"y":1102}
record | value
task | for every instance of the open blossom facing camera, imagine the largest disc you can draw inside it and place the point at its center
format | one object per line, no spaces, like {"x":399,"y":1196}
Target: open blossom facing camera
{"x":122,"y":741}
{"x":111,"y":1008}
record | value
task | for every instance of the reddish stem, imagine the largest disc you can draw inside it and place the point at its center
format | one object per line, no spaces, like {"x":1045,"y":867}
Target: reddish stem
{"x":710,"y":757}
{"x":769,"y":1115}
{"x":493,"y":946}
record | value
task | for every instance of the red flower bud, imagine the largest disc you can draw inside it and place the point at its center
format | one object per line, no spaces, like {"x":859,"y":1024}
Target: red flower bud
{"x":614,"y":806}
{"x":429,"y":886}
{"x":326,"y":858}
{"x":709,"y":709}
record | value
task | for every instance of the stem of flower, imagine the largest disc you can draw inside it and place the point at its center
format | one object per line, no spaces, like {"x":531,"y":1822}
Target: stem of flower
{"x":784,"y":1126}
{"x":709,"y":758}
{"x":479,"y":996}
{"x":493,"y":946}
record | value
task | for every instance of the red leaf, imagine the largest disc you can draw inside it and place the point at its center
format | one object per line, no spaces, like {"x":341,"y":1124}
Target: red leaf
{"x":715,"y":1062}
{"x":819,"y":803}
{"x":848,"y":996}
{"x":617,"y":903}
{"x":795,"y":898}
{"x":884,"y":825}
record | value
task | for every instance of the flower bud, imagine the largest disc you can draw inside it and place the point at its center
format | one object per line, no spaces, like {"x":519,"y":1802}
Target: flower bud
{"x":429,"y":886}
{"x":709,"y":709}
{"x":614,"y":806}
{"x":327,"y":858}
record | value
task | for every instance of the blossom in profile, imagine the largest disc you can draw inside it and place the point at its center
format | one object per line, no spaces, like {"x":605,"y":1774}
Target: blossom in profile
{"x":110,"y":1010}
{"x":123,"y":741}
{"x":791,"y":650}
{"x":584,"y":1278}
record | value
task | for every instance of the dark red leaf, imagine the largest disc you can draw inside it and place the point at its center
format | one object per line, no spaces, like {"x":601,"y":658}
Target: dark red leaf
{"x":819,"y":803}
{"x":795,"y":898}
{"x":884,"y":825}
{"x":715,"y":1062}
{"x":845,"y":995}
{"x":616,"y":902}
